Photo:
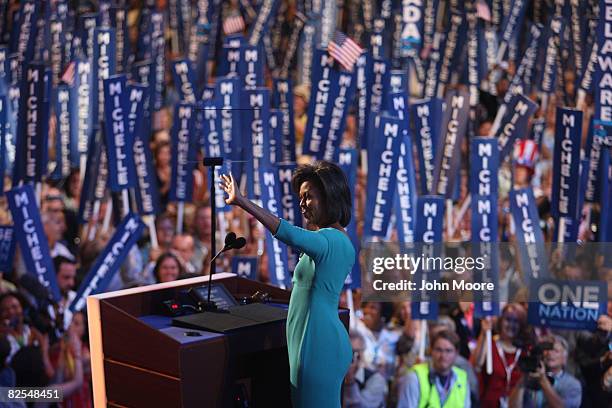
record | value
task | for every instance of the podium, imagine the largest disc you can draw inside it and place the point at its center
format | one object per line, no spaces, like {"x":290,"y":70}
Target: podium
{"x":139,"y":359}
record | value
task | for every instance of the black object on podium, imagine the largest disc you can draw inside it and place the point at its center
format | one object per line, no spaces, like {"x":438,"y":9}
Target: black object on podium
{"x":237,"y":318}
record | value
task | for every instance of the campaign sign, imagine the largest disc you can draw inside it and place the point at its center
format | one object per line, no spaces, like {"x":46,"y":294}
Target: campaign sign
{"x":429,"y":227}
{"x":147,"y":194}
{"x":256,"y":123}
{"x":347,"y":160}
{"x":276,"y":136}
{"x":25,"y":37}
{"x":405,"y":197}
{"x":534,"y":262}
{"x":63,"y":131}
{"x":119,"y":141}
{"x":603,"y":67}
{"x":183,"y":153}
{"x":484,"y":159}
{"x":158,"y":43}
{"x":382,"y":179}
{"x":104,"y":65}
{"x":31,"y":139}
{"x":319,"y":106}
{"x":184,"y":79}
{"x":289,"y":201}
{"x":7,"y":248}
{"x":567,"y":305}
{"x":566,"y":163}
{"x":251,"y":66}
{"x":454,"y":126}
{"x":277,"y":251}
{"x":282,"y":98}
{"x":265,"y":16}
{"x":227,"y":98}
{"x":109,"y":261}
{"x":30,"y":233}
{"x":81,"y":91}
{"x":514,"y":123}
{"x":245,"y":266}
{"x":341,"y":93}
{"x":426,"y":116}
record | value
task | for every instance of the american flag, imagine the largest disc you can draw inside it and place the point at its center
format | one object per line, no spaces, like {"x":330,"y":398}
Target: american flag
{"x":233,"y":24}
{"x":344,"y":50}
{"x":68,"y":75}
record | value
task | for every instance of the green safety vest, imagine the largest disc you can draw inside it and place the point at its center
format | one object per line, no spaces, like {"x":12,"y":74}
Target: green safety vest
{"x":430,"y":397}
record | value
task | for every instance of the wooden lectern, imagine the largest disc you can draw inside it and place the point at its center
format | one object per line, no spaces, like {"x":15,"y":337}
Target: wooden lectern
{"x":140,"y":360}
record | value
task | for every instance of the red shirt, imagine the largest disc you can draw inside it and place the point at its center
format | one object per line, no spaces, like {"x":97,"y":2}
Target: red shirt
{"x":495,"y":386}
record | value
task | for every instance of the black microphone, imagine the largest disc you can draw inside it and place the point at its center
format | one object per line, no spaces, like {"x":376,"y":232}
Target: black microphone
{"x":231,"y":242}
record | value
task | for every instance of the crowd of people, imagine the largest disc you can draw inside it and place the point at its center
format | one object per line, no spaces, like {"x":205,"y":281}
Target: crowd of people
{"x":395,"y":361}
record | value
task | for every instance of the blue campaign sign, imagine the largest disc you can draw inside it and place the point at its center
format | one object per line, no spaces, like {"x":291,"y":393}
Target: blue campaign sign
{"x":31,"y":236}
{"x":184,"y":78}
{"x":566,"y":163}
{"x":514,"y":123}
{"x":147,"y":194}
{"x":7,"y":248}
{"x":568,"y":305}
{"x":104,"y":65}
{"x":454,"y":127}
{"x":109,"y":261}
{"x":603,"y":66}
{"x":406,"y":195}
{"x":277,"y":251}
{"x":383,"y":175}
{"x":227,"y":102}
{"x":265,"y":17}
{"x":183,"y":153}
{"x":529,"y":237}
{"x":30,"y":141}
{"x":251,"y":66}
{"x":245,"y":266}
{"x":319,"y":106}
{"x":64,"y":133}
{"x":427,"y":118}
{"x":119,"y":140}
{"x":158,"y":43}
{"x":282,"y":98}
{"x":340,"y":97}
{"x":81,"y":94}
{"x":276,"y":136}
{"x":256,"y":139}
{"x":347,"y":160}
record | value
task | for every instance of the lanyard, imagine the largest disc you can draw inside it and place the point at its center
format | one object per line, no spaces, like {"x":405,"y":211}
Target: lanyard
{"x":508,"y":369}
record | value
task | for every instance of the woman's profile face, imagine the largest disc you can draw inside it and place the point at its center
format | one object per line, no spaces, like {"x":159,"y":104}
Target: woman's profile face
{"x":311,"y":203}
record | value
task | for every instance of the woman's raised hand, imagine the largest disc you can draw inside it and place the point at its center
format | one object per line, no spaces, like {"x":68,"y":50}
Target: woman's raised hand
{"x":229,"y":185}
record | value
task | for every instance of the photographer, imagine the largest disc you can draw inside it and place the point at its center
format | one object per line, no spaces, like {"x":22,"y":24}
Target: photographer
{"x":363,"y":388}
{"x":549,"y":385}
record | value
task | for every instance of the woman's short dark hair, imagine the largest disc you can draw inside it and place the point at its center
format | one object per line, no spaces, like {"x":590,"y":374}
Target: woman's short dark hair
{"x":331,"y":181}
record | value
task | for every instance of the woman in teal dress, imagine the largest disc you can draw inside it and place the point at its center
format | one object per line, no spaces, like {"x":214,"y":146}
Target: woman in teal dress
{"x":319,"y":347}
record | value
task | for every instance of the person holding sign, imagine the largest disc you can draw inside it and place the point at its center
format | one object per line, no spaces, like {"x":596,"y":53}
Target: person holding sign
{"x":319,"y":348}
{"x":511,"y":327}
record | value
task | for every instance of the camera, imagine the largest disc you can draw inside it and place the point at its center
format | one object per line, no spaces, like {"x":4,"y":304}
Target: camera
{"x":531,"y":357}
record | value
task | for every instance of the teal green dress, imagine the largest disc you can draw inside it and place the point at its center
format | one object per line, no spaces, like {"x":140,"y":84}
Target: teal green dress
{"x":319,"y":347}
